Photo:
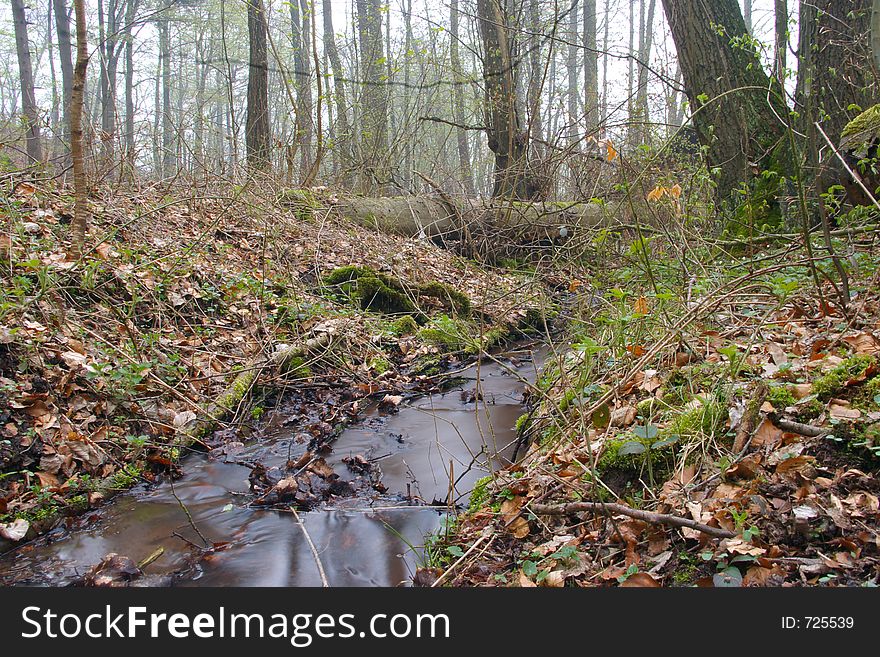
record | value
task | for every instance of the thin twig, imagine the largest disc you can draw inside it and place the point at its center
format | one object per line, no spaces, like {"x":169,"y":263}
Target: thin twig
{"x":314,"y":550}
{"x":647,"y":516}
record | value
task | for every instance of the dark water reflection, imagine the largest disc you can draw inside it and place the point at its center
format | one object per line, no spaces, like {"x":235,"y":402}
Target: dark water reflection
{"x":361,"y":542}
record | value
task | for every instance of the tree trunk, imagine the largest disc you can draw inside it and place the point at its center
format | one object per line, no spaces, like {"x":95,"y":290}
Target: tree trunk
{"x":257,"y":125}
{"x":169,"y":152}
{"x":645,"y":49}
{"x":62,"y":27}
{"x":373,"y":97}
{"x":55,"y":124}
{"x":780,"y":49}
{"x":571,"y":69}
{"x":747,"y":15}
{"x":464,"y":161}
{"x":130,"y":13}
{"x":591,"y":68}
{"x":429,"y":217}
{"x":300,"y":16}
{"x":29,"y":108}
{"x":736,"y":117}
{"x":80,"y":212}
{"x":507,"y":140}
{"x":342,"y":130}
{"x":842,"y":84}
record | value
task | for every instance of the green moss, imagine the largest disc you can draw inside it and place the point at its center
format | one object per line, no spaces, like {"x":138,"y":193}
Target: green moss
{"x":866,"y":399}
{"x":447,"y":333}
{"x":859,"y":134}
{"x":379,"y":364}
{"x":522,"y":423}
{"x":404,"y":325}
{"x":125,"y":478}
{"x":454,"y":301}
{"x":781,"y":397}
{"x":687,"y":569}
{"x":374,"y":290}
{"x":479,"y":494}
{"x":706,"y":420}
{"x":809,"y":409}
{"x":79,"y":502}
{"x":832,"y":383}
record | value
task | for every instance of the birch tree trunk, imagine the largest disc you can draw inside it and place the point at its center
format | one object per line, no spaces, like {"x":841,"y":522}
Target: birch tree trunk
{"x":464,"y":160}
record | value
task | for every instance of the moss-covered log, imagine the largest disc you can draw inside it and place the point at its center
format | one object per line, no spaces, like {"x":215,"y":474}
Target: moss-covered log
{"x":426,"y":216}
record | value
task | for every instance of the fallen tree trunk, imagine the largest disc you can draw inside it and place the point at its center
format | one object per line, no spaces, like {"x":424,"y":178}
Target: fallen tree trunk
{"x":447,"y":218}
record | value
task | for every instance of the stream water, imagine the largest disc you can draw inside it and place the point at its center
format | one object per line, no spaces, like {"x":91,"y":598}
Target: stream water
{"x":363,"y":540}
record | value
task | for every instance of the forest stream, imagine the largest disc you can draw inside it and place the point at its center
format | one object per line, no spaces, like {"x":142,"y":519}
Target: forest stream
{"x":368,"y":539}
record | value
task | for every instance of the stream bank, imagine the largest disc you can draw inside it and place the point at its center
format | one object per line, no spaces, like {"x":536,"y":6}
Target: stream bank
{"x":211,"y":533}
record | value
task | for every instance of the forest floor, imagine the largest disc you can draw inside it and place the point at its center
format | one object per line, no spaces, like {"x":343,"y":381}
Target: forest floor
{"x":714,"y":412}
{"x":114,"y":366}
{"x":721,"y":427}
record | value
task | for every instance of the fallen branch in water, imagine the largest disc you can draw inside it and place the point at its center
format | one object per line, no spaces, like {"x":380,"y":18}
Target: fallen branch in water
{"x":312,"y":547}
{"x":647,"y":516}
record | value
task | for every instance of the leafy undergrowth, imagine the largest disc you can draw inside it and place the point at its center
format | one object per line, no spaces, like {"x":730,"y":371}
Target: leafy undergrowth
{"x":745,"y":400}
{"x":110,"y":366}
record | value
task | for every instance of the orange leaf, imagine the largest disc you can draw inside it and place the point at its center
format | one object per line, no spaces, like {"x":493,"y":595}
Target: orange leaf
{"x":657,"y":193}
{"x":675,"y":191}
{"x":612,"y":152}
{"x":640,"y":307}
{"x":574,"y":285}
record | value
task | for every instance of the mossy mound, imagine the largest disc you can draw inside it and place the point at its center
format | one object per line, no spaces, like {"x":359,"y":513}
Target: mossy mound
{"x":453,"y":300}
{"x":374,"y":290}
{"x":381,"y":292}
{"x":852,"y":370}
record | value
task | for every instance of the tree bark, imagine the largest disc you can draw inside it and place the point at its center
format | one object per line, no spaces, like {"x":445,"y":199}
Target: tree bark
{"x":169,"y":151}
{"x":62,"y":28}
{"x":373,"y":97}
{"x":341,"y":132}
{"x":571,"y":68}
{"x":80,"y":212}
{"x":464,"y":161}
{"x":300,"y":16}
{"x":840,"y":38}
{"x":507,"y":140}
{"x":780,"y":49}
{"x":257,"y":125}
{"x":29,"y":108}
{"x":740,"y":121}
{"x":130,"y":13}
{"x":645,"y":49}
{"x":591,"y":67}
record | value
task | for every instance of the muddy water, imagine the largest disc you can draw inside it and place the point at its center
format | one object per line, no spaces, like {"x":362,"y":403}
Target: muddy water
{"x":432,"y":441}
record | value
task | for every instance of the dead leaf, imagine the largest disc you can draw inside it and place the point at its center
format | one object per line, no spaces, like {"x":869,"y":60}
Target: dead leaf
{"x":777,"y":353}
{"x":767,"y":435}
{"x":623,"y":417}
{"x":863,"y":343}
{"x":640,"y":580}
{"x":15,"y":530}
{"x":842,"y":411}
